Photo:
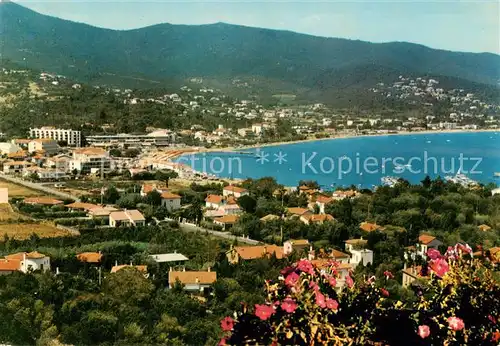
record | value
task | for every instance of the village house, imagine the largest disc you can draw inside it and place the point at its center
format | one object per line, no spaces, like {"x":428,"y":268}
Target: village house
{"x":30,"y":261}
{"x":193,"y":281}
{"x":90,"y":257}
{"x":170,"y":201}
{"x":45,"y":145}
{"x":172,"y":259}
{"x":410,"y":274}
{"x":309,"y":219}
{"x":101,"y":212}
{"x":340,"y":195}
{"x":298,"y":245}
{"x":322,"y":201}
{"x":44,"y":173}
{"x":298,"y":212}
{"x":226,"y":221}
{"x":7,"y":148}
{"x":60,"y":162}
{"x":426,"y":242}
{"x":235,"y":191}
{"x":80,"y":206}
{"x":370,"y":227}
{"x":9,"y":266}
{"x":239,"y":253}
{"x":359,"y":254}
{"x":12,"y":167}
{"x":214,"y":201}
{"x":42,"y":201}
{"x":126,"y":218}
{"x":141,"y":268}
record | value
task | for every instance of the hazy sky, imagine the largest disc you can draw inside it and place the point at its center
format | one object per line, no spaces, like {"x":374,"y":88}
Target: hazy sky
{"x":472,"y":26}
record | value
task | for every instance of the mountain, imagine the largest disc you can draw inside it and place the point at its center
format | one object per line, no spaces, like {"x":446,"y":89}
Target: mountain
{"x":222,"y":51}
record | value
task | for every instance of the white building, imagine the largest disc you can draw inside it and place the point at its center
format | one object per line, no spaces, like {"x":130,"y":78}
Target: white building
{"x":45,"y":173}
{"x":30,"y":261}
{"x":257,"y":129}
{"x":46,"y":145}
{"x":90,"y":160}
{"x":73,"y":138}
{"x":235,"y":191}
{"x":7,"y":148}
{"x":156,"y":138}
{"x":12,"y":167}
{"x":126,"y":218}
{"x":171,"y":201}
{"x":359,"y":255}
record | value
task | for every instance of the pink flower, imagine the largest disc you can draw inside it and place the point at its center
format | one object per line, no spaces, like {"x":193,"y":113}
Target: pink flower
{"x":222,"y":342}
{"x":313,"y":285}
{"x":460,"y":248}
{"x":384,"y":292}
{"x":456,"y":323}
{"x":305,"y":266}
{"x":292,"y":279}
{"x":439,"y":266}
{"x":332,"y":281}
{"x":349,"y":281}
{"x":433,"y":254}
{"x":424,"y":331}
{"x":263,"y":311}
{"x":288,"y":305}
{"x":320,"y":300}
{"x":388,"y":275}
{"x":227,"y":324}
{"x":492,"y":319}
{"x":332,"y":304}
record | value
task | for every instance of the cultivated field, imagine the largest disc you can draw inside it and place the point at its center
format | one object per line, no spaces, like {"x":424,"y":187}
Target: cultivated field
{"x":25,"y":230}
{"x":18,"y":190}
{"x":6,"y":213}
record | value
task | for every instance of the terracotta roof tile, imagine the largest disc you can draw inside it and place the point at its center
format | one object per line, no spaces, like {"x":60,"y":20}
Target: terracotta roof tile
{"x":217,"y":199}
{"x":169,"y":195}
{"x":89,"y":257}
{"x":81,"y":205}
{"x":298,"y":211}
{"x":20,"y":255}
{"x":9,"y":265}
{"x":192,"y":277}
{"x":369,"y":227}
{"x":228,"y":219}
{"x":141,"y":268}
{"x":254,"y":252}
{"x":323,"y":199}
{"x":42,"y":201}
{"x":234,"y":189}
{"x":426,"y":239}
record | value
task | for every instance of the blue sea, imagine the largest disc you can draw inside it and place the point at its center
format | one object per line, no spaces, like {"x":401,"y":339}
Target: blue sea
{"x":361,"y":161}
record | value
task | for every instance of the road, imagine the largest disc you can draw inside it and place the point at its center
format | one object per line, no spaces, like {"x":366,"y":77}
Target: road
{"x":39,"y":187}
{"x":189,"y":227}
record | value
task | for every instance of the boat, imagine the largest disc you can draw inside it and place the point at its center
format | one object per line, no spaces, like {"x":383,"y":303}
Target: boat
{"x":496,"y":174}
{"x":389,"y":181}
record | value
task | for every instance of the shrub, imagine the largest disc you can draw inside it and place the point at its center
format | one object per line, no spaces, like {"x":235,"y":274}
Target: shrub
{"x":457,"y":305}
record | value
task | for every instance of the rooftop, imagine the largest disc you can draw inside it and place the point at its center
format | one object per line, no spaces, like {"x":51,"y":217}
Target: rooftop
{"x":192,"y":277}
{"x":169,"y":257}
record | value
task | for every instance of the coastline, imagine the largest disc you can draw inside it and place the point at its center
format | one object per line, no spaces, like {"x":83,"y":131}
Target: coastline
{"x":342,"y":136}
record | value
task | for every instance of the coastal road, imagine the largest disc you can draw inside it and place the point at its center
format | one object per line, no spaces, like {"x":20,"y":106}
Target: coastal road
{"x":189,"y":227}
{"x":39,"y":187}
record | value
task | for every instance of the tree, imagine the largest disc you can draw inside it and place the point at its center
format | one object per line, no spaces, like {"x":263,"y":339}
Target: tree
{"x":247,"y":203}
{"x":128,"y":285}
{"x":115,"y":152}
{"x":111,"y":195}
{"x":153,"y":198}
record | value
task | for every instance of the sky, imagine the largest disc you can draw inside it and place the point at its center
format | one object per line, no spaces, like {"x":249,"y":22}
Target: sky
{"x":468,"y":26}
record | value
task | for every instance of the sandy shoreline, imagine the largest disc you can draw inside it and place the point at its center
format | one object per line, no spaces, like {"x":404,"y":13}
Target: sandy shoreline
{"x":343,"y":136}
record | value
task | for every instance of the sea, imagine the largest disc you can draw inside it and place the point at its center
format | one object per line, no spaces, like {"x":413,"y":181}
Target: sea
{"x":361,"y":161}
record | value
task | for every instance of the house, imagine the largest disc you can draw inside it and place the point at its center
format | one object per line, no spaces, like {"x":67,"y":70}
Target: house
{"x":141,"y":268}
{"x":316,"y":218}
{"x":340,"y":256}
{"x":126,"y":218}
{"x":425,"y":242}
{"x":30,"y":261}
{"x":298,"y":212}
{"x":214,"y":201}
{"x":495,"y":191}
{"x":257,"y":129}
{"x":7,"y":148}
{"x":411,"y":274}
{"x":90,"y":160}
{"x":101,"y":212}
{"x":45,"y":173}
{"x":226,"y":221}
{"x":269,"y":217}
{"x":147,"y":188}
{"x":11,"y":167}
{"x":80,"y":206}
{"x":73,"y":138}
{"x":170,"y":201}
{"x":235,"y":191}
{"x":340,"y":195}
{"x":239,"y":253}
{"x":307,"y":190}
{"x":370,"y":227}
{"x":193,"y":281}
{"x":322,"y":201}
{"x":230,"y":209}
{"x":90,"y":257}
{"x":42,"y":201}
{"x":173,"y":259}
{"x":60,"y":162}
{"x":359,"y":254}
{"x":9,"y":266}
{"x":295,"y":245}
{"x":45,"y":145}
